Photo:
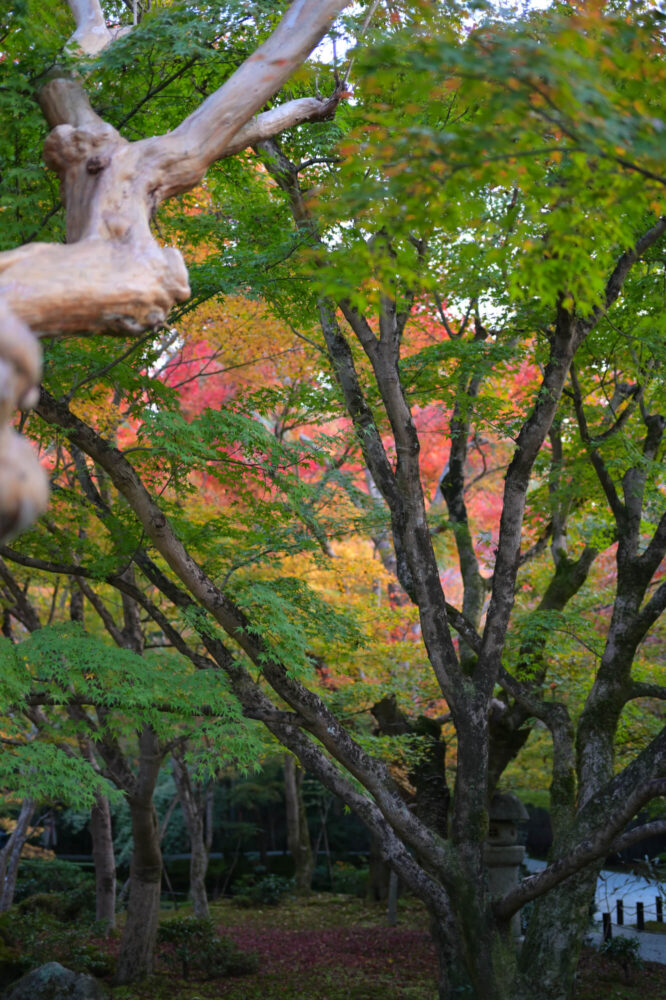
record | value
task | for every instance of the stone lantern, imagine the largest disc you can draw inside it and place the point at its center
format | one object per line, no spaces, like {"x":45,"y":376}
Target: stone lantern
{"x":502,"y":852}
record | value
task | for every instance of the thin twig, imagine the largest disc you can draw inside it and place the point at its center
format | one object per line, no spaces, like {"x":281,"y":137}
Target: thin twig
{"x":364,"y":28}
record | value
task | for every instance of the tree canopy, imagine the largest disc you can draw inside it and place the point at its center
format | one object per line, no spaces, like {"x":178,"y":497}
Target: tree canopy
{"x":405,"y":436}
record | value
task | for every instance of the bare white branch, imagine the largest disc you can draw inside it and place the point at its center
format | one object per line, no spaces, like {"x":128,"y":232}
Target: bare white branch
{"x":206,"y":135}
{"x":113,"y":275}
{"x":92,"y":34}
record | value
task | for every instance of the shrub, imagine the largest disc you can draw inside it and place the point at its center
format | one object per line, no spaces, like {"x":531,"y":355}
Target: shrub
{"x":623,"y":951}
{"x":67,"y":906}
{"x":321,"y":879}
{"x":194,"y":946}
{"x":38,"y":875}
{"x":37,"y":934}
{"x":56,"y":887}
{"x":12,"y":962}
{"x":267,"y":891}
{"x":350,"y":880}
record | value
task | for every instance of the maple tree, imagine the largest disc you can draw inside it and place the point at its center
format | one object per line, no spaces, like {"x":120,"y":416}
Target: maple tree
{"x":121,"y":711}
{"x":473,"y":251}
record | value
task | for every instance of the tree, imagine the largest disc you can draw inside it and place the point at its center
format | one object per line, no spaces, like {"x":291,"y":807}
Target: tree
{"x":113,"y":273}
{"x":117,"y":707}
{"x":522,"y":209}
{"x":10,"y":855}
{"x":194,"y":800}
{"x":298,"y":834}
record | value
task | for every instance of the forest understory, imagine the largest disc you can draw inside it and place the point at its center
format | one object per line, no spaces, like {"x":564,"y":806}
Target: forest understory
{"x":326,"y":947}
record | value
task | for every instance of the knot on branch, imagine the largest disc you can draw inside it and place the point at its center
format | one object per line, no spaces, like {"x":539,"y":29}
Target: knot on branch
{"x":91,"y":39}
{"x":328,"y":105}
{"x":66,"y":146}
{"x":96,"y":164}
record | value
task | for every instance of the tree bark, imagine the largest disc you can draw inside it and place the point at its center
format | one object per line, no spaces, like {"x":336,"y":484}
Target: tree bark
{"x":378,"y":874}
{"x":194,"y":807}
{"x":298,"y":834}
{"x":105,"y":862}
{"x":453,"y":979}
{"x":10,"y":856}
{"x":550,"y":953}
{"x":24,"y":487}
{"x":135,"y":959}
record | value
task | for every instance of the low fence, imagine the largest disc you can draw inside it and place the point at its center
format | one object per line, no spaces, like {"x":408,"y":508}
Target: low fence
{"x":642,"y":912}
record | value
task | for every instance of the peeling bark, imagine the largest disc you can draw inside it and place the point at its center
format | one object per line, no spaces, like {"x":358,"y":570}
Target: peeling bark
{"x":23,"y":484}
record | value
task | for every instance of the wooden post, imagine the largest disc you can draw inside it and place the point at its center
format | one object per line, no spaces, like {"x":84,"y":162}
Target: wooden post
{"x":620,"y":912}
{"x":660,"y":909}
{"x":640,"y":917}
{"x":608,"y":929}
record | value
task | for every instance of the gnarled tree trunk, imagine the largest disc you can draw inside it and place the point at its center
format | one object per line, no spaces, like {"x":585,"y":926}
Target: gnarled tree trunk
{"x":550,"y":954}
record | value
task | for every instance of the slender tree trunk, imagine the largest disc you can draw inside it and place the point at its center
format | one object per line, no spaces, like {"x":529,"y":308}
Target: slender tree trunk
{"x":379,"y":873}
{"x":298,"y":835}
{"x":392,"y":907}
{"x":209,"y":806}
{"x":193,"y":807}
{"x":198,"y":870}
{"x":10,"y":855}
{"x":102,"y":834}
{"x":135,"y":960}
{"x":105,"y":862}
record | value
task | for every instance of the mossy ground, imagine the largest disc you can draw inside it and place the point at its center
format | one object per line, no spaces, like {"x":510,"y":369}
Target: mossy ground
{"x":332,"y":947}
{"x":337,"y":947}
{"x":326,"y":947}
{"x":654,"y":927}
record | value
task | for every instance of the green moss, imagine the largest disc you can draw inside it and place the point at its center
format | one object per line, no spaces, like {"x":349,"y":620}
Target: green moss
{"x":654,"y":927}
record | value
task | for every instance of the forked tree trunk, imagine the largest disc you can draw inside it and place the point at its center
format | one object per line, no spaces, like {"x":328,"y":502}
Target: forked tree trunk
{"x":105,"y":862}
{"x":298,"y":834}
{"x":10,"y":856}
